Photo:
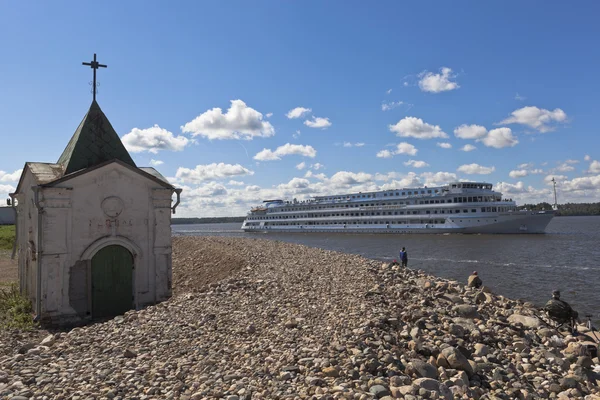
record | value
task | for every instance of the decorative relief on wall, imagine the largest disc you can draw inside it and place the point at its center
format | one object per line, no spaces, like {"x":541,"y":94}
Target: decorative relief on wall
{"x":112,"y":206}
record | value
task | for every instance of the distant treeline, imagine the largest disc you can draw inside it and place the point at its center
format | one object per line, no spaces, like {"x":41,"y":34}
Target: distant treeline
{"x":568,"y":209}
{"x":212,"y":220}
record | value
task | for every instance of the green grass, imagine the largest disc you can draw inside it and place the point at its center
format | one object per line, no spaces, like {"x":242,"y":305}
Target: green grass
{"x":15,"y":310}
{"x":7,"y":237}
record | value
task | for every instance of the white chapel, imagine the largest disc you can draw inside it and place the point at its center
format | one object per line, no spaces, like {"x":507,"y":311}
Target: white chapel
{"x":93,"y":229}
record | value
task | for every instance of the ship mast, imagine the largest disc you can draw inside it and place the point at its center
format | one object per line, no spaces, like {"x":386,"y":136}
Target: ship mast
{"x":555,"y":205}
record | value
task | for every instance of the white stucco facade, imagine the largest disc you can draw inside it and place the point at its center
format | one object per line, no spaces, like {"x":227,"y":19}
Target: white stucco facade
{"x":73,"y":218}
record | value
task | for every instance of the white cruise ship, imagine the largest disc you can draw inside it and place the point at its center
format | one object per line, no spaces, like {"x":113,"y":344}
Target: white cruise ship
{"x":460,"y":207}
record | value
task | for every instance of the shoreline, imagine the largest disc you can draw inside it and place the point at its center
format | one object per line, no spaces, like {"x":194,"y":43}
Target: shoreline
{"x":255,"y":318}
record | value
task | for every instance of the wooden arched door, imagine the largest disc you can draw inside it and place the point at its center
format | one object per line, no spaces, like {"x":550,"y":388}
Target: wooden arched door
{"x":112,"y":281}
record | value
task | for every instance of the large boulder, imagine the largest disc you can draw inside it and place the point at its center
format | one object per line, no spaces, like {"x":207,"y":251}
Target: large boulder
{"x":421,"y":369}
{"x":525,"y":320}
{"x":457,"y":360}
{"x":466,"y":311}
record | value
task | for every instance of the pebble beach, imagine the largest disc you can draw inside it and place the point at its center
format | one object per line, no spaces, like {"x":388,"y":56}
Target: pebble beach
{"x":262,"y":319}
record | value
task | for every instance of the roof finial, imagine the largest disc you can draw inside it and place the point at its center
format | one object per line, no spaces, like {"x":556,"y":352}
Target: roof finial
{"x":94,"y":65}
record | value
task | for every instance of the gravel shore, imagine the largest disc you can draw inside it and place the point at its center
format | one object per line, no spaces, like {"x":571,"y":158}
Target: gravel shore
{"x":261,"y":319}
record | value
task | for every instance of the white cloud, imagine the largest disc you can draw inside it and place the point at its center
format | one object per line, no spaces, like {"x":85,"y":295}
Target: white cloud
{"x":525,"y":165}
{"x":519,"y":97}
{"x":557,"y":178}
{"x":475,"y":169}
{"x":153,"y":140}
{"x":444,"y":145}
{"x":268,"y":115}
{"x":520,"y":173}
{"x":301,"y":166}
{"x":410,"y":180}
{"x":564,"y":167}
{"x":391,"y":105}
{"x":297,"y":112}
{"x":470,"y":131}
{"x":537,"y":118}
{"x":385,"y":154}
{"x":499,"y":138}
{"x":438,"y":178}
{"x":417,"y":128}
{"x":587,"y":157}
{"x":13,"y":177}
{"x":510,"y":189}
{"x":406,"y":148}
{"x":235,"y":183}
{"x":348,"y":144}
{"x":594,"y":167}
{"x":156,"y":163}
{"x":317,"y":166}
{"x":286,"y":150}
{"x":212,"y":171}
{"x":209,"y":189}
{"x":388,"y":91}
{"x":6,"y":189}
{"x":239,"y":122}
{"x":436,"y":83}
{"x":296,"y":185}
{"x":296,"y":135}
{"x":416,"y":164}
{"x":318,"y":122}
{"x":252,"y":188}
{"x":401,"y":148}
{"x":321,"y":176}
{"x":583,"y":183}
{"x":468,"y":147}
{"x":345,"y":178}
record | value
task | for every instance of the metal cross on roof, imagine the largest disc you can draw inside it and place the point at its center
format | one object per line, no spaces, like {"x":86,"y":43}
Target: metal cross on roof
{"x":94,"y":65}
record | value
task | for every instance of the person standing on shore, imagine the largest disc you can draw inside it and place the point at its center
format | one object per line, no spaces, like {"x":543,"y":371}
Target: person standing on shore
{"x":404,"y":257}
{"x":474,"y":281}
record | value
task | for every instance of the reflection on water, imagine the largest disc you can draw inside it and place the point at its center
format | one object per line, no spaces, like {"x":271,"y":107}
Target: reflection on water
{"x":567,"y":257}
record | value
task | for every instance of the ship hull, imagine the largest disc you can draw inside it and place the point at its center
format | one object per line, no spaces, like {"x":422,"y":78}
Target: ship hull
{"x":522,"y":222}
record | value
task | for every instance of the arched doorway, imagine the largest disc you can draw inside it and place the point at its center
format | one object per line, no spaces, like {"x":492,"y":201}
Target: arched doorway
{"x":112,"y":281}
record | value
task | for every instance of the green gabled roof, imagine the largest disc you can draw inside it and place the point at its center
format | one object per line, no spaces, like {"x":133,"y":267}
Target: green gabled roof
{"x":94,"y":142}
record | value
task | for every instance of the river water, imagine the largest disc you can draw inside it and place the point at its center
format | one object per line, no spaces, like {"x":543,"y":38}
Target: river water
{"x":524,"y":266}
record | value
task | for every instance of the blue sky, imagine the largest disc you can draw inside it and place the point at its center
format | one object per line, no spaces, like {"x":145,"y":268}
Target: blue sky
{"x":522,"y":77}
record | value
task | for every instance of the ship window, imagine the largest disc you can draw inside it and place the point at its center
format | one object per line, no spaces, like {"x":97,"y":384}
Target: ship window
{"x":415,"y":212}
{"x":465,"y":211}
{"x":428,"y":212}
{"x":385,"y":195}
{"x":397,"y":193}
{"x":429,"y":191}
{"x":435,"y":212}
{"x":456,"y":211}
{"x":401,"y":212}
{"x":409,"y":193}
{"x":403,"y":193}
{"x":453,"y":186}
{"x":493,"y":209}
